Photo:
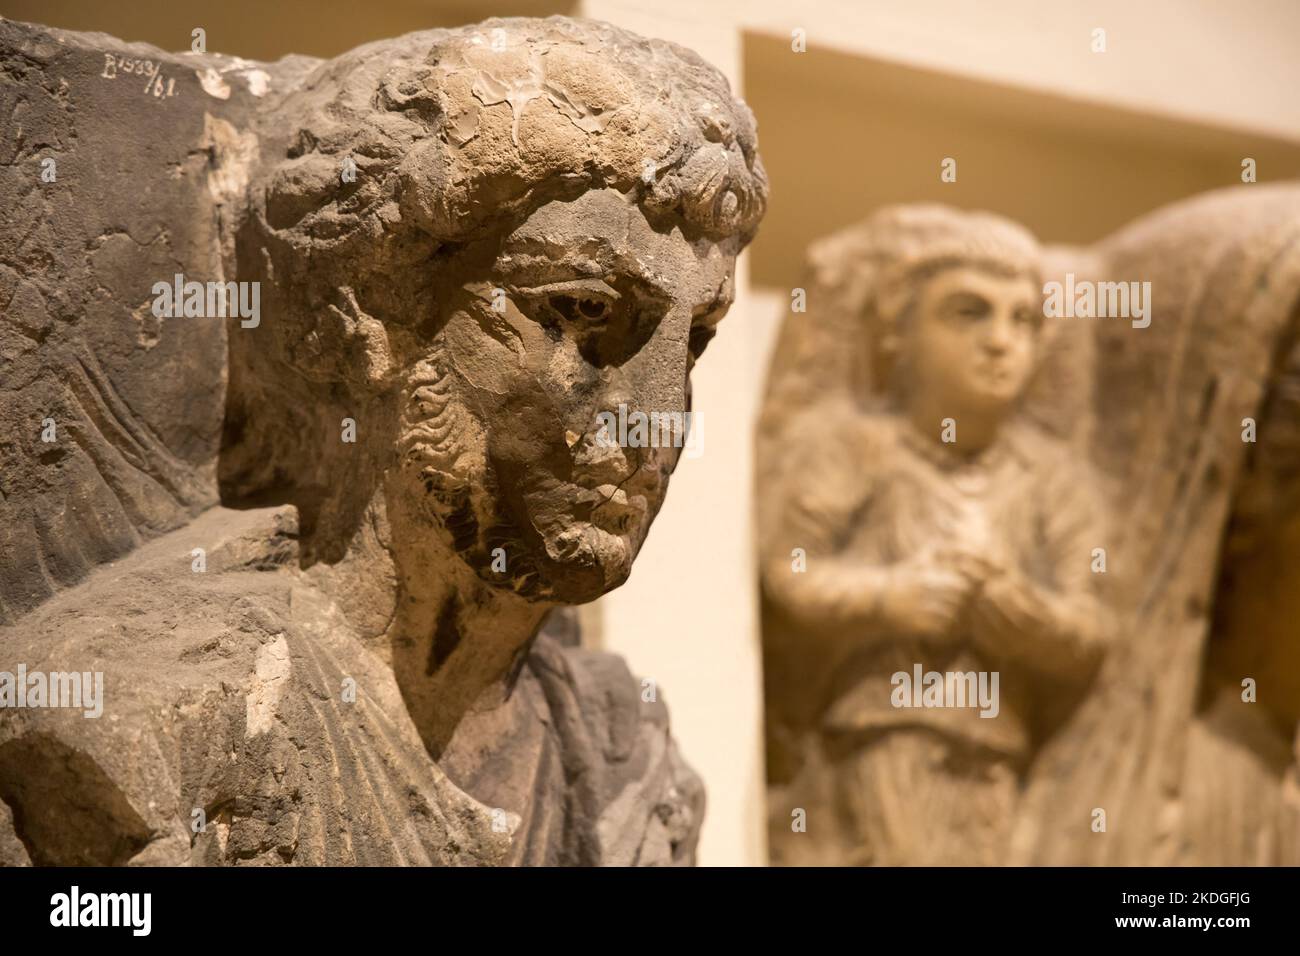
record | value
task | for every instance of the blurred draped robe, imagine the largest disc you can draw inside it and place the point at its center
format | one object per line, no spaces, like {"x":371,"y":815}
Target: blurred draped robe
{"x":1186,"y":770}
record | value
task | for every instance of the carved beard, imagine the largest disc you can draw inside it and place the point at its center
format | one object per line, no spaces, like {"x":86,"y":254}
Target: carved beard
{"x":551,"y":530}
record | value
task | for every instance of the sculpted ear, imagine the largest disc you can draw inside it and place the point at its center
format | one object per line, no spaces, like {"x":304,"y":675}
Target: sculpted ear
{"x":365,"y":342}
{"x":346,"y":345}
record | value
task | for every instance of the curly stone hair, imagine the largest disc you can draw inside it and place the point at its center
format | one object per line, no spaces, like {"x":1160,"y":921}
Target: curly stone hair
{"x":455,"y":137}
{"x":861,"y":283}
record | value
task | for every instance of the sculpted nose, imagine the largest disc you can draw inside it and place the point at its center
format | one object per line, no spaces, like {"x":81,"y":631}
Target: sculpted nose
{"x":601,"y":449}
{"x":600,"y":458}
{"x":615,"y":396}
{"x":998,"y":337}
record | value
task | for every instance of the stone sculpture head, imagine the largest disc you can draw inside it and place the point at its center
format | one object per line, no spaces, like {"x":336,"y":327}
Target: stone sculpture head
{"x":542,"y":225}
{"x":958,"y":309}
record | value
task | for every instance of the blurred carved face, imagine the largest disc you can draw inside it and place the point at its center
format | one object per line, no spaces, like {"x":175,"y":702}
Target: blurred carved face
{"x":582,"y":309}
{"x":973,"y":340}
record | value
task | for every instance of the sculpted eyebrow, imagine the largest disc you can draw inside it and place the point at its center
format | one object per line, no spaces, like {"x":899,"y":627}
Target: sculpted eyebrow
{"x":542,"y":270}
{"x":965,"y":298}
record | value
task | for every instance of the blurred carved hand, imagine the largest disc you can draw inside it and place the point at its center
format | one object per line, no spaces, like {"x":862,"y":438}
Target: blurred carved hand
{"x":1010,"y":616}
{"x":925,"y":598}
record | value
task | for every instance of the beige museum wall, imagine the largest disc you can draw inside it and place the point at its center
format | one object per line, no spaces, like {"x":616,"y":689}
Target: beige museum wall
{"x":1070,"y":142}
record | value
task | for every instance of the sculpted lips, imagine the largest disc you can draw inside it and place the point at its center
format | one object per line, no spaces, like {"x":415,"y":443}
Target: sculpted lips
{"x":608,"y":487}
{"x":614,"y":510}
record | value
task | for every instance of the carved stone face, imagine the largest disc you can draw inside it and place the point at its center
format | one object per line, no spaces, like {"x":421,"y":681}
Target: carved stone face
{"x":540,"y":235}
{"x":973,"y":338}
{"x":582,"y":308}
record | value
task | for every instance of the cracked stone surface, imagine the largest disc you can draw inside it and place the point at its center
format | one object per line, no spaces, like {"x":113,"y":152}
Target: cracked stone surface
{"x":323,"y":558}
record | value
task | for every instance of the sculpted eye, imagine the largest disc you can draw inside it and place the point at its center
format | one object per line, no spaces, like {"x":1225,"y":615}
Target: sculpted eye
{"x":589,"y":302}
{"x":575,"y":308}
{"x":608,"y":324}
{"x":1029,"y":317}
{"x":967,"y":308}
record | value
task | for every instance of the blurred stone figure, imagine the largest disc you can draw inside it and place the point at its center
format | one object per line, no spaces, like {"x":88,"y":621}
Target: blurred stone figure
{"x":956,"y":481}
{"x":943,"y":533}
{"x":316,"y":557}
